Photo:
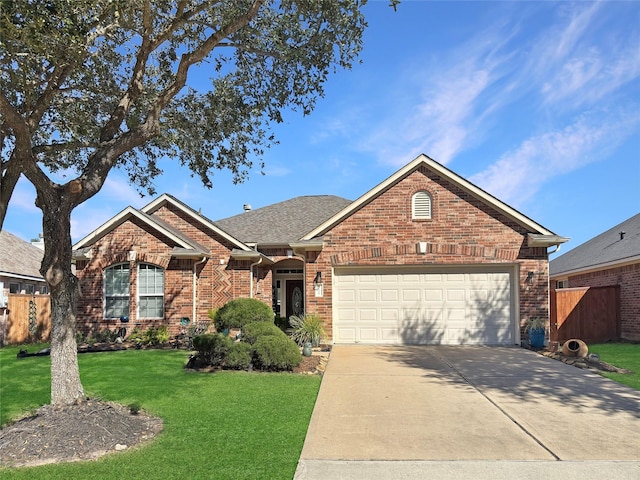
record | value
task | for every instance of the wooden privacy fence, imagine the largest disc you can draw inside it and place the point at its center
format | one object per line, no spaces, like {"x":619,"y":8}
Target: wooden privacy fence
{"x":591,"y":314}
{"x":28,"y":318}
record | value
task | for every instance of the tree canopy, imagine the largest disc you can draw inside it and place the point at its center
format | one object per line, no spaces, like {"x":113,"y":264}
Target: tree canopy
{"x":89,"y":85}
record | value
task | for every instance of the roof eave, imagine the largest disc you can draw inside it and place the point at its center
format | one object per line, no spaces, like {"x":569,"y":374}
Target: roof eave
{"x":313,"y":245}
{"x":594,"y":268}
{"x":251,"y":255}
{"x":189,"y":253}
{"x":541,"y":240}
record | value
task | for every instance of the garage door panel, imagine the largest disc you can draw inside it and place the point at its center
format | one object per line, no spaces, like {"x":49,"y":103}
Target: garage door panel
{"x":389,"y":295}
{"x":368,"y":315}
{"x":368,"y":334}
{"x":466,"y":307}
{"x":347,"y":335}
{"x":367,"y":295}
{"x":411,"y":295}
{"x":433,"y":295}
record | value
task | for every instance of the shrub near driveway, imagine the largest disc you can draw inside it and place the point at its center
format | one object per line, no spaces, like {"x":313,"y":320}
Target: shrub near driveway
{"x":231,"y":425}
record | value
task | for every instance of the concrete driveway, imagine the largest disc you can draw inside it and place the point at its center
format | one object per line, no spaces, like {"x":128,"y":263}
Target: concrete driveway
{"x":405,"y":411}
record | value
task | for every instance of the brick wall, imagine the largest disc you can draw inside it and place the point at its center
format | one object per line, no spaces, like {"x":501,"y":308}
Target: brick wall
{"x":462,"y":231}
{"x":628,"y":278}
{"x":215,"y":278}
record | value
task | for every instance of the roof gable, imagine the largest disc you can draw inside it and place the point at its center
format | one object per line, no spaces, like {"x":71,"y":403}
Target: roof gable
{"x":165,"y":199}
{"x":608,"y":249}
{"x":424,"y":161}
{"x":18,"y":257}
{"x":183,"y":242}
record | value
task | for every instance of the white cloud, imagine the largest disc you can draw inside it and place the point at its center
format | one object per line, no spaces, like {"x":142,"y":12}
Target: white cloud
{"x":272,"y":170}
{"x":443,"y":116}
{"x":518,"y":175}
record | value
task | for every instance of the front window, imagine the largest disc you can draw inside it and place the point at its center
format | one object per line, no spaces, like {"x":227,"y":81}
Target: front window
{"x":150,"y":291}
{"x":116,"y":291}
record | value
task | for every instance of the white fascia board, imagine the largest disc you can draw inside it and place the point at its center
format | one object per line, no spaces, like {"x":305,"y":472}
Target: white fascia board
{"x":595,"y":268}
{"x":118,"y":220}
{"x":540,"y":240}
{"x":22,"y":277}
{"x":164,"y":198}
{"x":442,"y":171}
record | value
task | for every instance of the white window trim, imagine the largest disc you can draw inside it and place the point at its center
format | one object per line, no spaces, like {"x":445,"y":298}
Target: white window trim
{"x":139,"y":295}
{"x":104,"y":289}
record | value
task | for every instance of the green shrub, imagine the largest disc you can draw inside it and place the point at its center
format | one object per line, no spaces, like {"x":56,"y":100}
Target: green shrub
{"x":282,"y":323}
{"x":156,"y":335}
{"x":136,"y":335}
{"x":237,"y":313}
{"x":239,"y":356}
{"x":212,"y":348}
{"x":274,"y":352}
{"x":307,"y":328}
{"x":105,"y":336}
{"x":252,"y":331}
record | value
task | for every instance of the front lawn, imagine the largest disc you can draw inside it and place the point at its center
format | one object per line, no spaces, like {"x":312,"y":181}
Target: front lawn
{"x":224,"y":425}
{"x":622,"y":355}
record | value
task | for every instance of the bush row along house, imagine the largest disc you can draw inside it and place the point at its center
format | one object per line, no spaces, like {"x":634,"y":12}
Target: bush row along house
{"x":425,"y":257}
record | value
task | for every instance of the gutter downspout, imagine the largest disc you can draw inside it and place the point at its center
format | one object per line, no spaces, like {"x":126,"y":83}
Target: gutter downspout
{"x":251,"y":276}
{"x":195,"y":282}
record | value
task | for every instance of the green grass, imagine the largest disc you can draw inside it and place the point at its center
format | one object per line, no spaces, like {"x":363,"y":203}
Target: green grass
{"x":225,"y":425}
{"x":622,"y":355}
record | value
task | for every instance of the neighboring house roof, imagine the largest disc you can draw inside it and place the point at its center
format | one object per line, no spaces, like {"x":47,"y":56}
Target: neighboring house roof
{"x":283,"y":222}
{"x":185,"y":245}
{"x":18,"y":258}
{"x":603,"y":251}
{"x":165,"y":198}
{"x":539,"y":236}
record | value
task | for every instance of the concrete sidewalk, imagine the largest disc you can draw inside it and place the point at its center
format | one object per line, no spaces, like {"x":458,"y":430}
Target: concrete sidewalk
{"x":438,"y":407}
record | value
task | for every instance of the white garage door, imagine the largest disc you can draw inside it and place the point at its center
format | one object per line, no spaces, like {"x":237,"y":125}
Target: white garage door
{"x":454,"y":306}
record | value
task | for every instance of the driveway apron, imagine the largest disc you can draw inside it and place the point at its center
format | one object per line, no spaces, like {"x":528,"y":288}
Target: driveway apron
{"x":441,"y":403}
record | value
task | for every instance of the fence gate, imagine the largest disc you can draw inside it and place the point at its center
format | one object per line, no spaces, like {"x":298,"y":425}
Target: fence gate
{"x":28,"y":319}
{"x":591,"y":314}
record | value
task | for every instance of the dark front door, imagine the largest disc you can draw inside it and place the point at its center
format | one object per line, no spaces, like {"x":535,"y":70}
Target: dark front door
{"x":295,"y":298}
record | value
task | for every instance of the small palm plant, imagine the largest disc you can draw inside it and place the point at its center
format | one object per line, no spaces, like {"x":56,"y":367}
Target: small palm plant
{"x":307,"y":329}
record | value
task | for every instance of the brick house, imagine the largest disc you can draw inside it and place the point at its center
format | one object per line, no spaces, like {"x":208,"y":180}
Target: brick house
{"x":424,"y":257}
{"x":19,"y":268}
{"x":611,"y":258}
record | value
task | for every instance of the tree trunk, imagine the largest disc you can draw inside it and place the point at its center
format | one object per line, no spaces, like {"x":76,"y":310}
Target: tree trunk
{"x":66,"y":388}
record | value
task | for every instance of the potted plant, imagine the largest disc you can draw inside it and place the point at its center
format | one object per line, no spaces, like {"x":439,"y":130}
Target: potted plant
{"x":535,"y":328}
{"x":307,"y":329}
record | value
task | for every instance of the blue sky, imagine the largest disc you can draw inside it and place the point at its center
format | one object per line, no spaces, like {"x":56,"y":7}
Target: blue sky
{"x":536,"y":102}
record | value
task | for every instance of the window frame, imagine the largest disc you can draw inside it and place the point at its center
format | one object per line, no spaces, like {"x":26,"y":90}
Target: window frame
{"x":419,"y":195}
{"x":111,"y":295}
{"x":146,"y":295}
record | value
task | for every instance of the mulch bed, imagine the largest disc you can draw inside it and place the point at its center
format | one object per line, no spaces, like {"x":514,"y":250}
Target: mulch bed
{"x":80,"y":432}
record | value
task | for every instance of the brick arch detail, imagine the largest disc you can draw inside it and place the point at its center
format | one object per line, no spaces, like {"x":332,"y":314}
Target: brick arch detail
{"x":154,"y":259}
{"x":475,"y":251}
{"x":110,"y":260}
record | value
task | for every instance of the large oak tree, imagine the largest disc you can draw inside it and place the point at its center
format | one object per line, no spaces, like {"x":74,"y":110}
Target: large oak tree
{"x":91,"y":85}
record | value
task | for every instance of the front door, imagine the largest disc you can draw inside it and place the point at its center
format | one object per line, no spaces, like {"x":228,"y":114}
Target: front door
{"x":295,"y":298}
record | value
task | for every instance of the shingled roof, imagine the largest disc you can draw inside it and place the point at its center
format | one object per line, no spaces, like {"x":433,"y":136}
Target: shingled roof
{"x":18,"y":257}
{"x":283,"y":222}
{"x":608,"y":248}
